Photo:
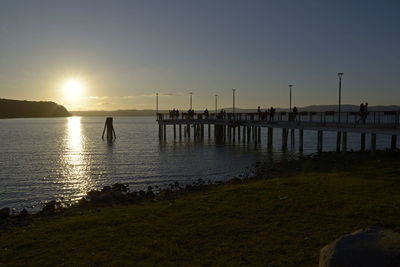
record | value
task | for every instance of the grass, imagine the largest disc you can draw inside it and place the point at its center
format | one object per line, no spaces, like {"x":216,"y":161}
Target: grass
{"x":281,"y":221}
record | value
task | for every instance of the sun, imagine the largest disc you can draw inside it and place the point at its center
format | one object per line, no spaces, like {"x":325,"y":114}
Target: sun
{"x":73,"y":88}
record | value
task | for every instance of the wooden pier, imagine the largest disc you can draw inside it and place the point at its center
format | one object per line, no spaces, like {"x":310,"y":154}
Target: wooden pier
{"x":246,"y":127}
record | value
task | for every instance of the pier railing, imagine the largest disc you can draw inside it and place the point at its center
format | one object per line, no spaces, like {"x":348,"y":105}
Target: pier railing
{"x":372,"y":118}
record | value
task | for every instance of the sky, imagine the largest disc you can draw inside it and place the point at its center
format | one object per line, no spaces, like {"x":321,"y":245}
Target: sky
{"x":121,"y":53}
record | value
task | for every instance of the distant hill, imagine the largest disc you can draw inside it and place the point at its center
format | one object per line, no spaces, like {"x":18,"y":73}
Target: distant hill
{"x":31,"y":109}
{"x":150,"y":112}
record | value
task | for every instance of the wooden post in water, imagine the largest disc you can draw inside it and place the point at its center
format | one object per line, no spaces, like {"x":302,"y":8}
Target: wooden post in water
{"x":320,"y":141}
{"x":363,"y":142}
{"x":259,"y":134}
{"x":344,"y":142}
{"x":238,"y":132}
{"x":301,"y":135}
{"x":174,"y":131}
{"x":394,"y":143}
{"x":248,"y":134}
{"x":234,"y":133}
{"x":209,"y":131}
{"x":180,"y":131}
{"x":244,"y":134}
{"x":110,"y":129}
{"x":165,"y":132}
{"x":292,"y":140}
{"x":188,"y":130}
{"x":160,"y":131}
{"x":373,"y":143}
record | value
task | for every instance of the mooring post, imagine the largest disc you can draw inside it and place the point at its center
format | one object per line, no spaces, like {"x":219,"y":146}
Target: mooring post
{"x":270,"y":137}
{"x":363,"y":142}
{"x":344,"y":142}
{"x":110,"y":129}
{"x":338,"y":140}
{"x":320,"y":141}
{"x":373,"y":143}
{"x":301,"y":135}
{"x":394,"y":143}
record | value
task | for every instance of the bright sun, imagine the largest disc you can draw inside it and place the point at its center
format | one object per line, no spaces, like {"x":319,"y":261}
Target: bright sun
{"x":73,"y":88}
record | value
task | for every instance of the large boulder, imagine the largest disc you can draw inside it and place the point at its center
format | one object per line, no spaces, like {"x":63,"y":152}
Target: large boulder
{"x":371,"y":247}
{"x":4,"y":213}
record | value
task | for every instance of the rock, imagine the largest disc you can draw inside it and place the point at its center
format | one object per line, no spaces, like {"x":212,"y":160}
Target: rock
{"x":371,"y":247}
{"x":4,"y":213}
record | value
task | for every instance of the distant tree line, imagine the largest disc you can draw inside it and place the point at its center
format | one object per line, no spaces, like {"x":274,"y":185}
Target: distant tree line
{"x":31,"y":109}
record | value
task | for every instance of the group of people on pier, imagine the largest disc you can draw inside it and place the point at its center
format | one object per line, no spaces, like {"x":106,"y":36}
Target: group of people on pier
{"x":174,"y":113}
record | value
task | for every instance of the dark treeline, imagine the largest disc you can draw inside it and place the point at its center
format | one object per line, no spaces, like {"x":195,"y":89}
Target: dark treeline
{"x":31,"y":109}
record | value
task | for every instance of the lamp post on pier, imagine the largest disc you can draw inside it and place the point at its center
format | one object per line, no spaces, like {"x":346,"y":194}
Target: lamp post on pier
{"x":156,"y":104}
{"x":340,"y":74}
{"x":191,"y":100}
{"x":233,"y":100}
{"x":290,"y":97}
{"x":216,"y":104}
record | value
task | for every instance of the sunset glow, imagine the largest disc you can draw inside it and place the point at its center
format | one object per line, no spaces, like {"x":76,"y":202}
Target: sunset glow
{"x":73,"y":88}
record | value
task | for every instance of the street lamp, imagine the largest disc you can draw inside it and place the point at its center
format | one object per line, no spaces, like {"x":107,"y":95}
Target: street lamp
{"x":233,"y":100}
{"x":290,"y":97}
{"x":340,"y":74}
{"x":191,"y":99}
{"x":216,"y":104}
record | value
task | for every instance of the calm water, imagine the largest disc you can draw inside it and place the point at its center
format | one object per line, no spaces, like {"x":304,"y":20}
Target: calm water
{"x":46,"y":159}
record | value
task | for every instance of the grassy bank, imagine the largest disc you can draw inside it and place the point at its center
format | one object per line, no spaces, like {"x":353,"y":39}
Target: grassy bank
{"x":281,"y":218}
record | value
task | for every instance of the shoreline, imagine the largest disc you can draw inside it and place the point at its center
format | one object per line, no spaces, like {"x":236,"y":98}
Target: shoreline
{"x":119,"y":194}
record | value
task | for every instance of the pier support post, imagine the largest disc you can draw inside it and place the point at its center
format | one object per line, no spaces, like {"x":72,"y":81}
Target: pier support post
{"x":284,"y":137}
{"x":344,"y":142}
{"x":160,"y":131}
{"x":363,"y":142}
{"x":301,"y":135}
{"x":233,"y":133}
{"x":244,"y":134}
{"x":174,"y":131}
{"x":338,"y":141}
{"x":394,"y":143}
{"x":188,"y":130}
{"x":292,"y":134}
{"x":180,"y":131}
{"x":209,"y":131}
{"x":165,"y":132}
{"x":248,"y":134}
{"x":373,"y":143}
{"x":202,"y":131}
{"x":259,"y":134}
{"x":270,"y":137}
{"x":320,"y":141}
{"x":238,"y":132}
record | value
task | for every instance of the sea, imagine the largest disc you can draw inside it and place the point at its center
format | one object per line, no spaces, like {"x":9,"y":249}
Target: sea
{"x":44,"y":159}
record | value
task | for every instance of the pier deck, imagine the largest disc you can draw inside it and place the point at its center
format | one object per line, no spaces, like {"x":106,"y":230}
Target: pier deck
{"x":227,"y":125}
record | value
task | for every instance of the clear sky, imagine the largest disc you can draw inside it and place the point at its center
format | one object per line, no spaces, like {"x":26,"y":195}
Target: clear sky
{"x":120,"y":53}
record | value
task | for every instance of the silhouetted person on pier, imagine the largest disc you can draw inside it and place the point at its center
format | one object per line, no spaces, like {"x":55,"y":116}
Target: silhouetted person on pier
{"x":365,"y":112}
{"x":361,"y":113}
{"x":295,"y":112}
{"x":206,"y":113}
{"x":271,"y":114}
{"x":259,"y":112}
